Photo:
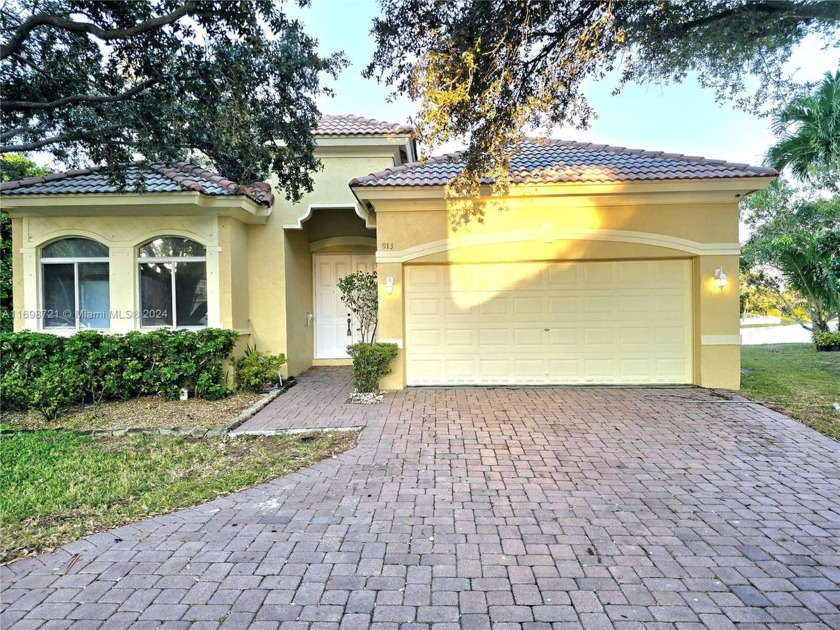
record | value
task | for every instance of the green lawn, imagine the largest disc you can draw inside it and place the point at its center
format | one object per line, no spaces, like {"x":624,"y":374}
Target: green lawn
{"x":59,"y":486}
{"x":796,"y":380}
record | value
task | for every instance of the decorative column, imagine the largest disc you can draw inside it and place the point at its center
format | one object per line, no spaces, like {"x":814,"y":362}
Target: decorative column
{"x":214,"y":276}
{"x":31,"y":283}
{"x":122,"y":278}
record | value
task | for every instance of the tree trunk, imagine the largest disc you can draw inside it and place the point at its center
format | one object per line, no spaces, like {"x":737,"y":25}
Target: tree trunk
{"x":819,"y":325}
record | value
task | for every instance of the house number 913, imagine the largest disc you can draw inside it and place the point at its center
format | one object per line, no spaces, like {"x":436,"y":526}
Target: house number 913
{"x":386,"y":246}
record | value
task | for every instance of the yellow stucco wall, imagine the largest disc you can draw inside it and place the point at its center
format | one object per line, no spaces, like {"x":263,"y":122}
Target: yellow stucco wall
{"x":717,"y":324}
{"x":534,"y":228}
{"x":334,"y":222}
{"x":17,"y":274}
{"x":424,"y":222}
{"x":235,"y":289}
{"x":299,"y":330}
{"x":267,"y":287}
{"x":340,"y":165}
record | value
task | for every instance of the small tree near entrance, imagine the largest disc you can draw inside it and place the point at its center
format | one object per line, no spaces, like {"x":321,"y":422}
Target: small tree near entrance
{"x":359,"y":293}
{"x":371,"y":361}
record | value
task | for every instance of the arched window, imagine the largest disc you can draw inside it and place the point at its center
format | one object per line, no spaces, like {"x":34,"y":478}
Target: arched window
{"x":74,"y":287}
{"x":173,"y":283}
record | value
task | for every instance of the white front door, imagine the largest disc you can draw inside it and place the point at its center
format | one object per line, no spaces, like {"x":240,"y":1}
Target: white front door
{"x":331,"y":315}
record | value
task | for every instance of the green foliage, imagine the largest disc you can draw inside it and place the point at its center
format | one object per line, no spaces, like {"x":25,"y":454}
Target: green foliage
{"x":360,"y":293}
{"x":55,"y":389}
{"x":371,"y":361}
{"x":50,"y":373}
{"x":255,"y":371}
{"x":58,"y":486}
{"x":15,"y":166}
{"x":758,"y":299}
{"x":484,"y":71}
{"x":795,"y":380}
{"x":102,"y":82}
{"x":825,"y":338}
{"x":14,"y":391}
{"x":795,"y":246}
{"x":12,"y":167}
{"x":28,"y":353}
{"x":809,"y":131}
{"x":99,"y":360}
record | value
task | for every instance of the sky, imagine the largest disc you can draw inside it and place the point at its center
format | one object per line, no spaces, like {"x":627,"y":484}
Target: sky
{"x":679,"y":118}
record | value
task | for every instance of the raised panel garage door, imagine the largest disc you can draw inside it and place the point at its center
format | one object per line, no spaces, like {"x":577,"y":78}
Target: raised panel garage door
{"x":548,"y":323}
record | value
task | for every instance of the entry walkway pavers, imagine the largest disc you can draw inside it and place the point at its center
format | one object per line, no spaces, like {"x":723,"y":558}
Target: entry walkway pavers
{"x":483,"y":507}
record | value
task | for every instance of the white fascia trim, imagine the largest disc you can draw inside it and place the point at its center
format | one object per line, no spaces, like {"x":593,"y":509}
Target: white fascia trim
{"x":367,"y":140}
{"x":137,"y":204}
{"x":618,"y":193}
{"x":720,"y":340}
{"x":597,"y":234}
{"x":362,"y":213}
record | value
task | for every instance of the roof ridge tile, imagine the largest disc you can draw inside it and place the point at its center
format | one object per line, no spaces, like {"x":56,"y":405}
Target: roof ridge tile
{"x":355,"y":125}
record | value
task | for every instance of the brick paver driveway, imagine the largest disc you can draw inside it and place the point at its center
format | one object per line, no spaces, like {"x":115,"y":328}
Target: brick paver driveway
{"x":472,"y":508}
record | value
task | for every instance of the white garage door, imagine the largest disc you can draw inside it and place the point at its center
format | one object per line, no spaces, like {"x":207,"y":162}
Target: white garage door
{"x":549,"y":323}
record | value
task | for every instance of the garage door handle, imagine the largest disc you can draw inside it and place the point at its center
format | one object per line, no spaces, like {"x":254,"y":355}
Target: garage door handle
{"x":546,"y":329}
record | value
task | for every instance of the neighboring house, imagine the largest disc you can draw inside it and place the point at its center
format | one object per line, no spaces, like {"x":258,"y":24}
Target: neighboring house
{"x":600,"y":266}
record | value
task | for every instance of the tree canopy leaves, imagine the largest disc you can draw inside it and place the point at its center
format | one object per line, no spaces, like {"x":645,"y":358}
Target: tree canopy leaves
{"x":795,"y":243}
{"x":809,"y":130}
{"x":484,"y":69}
{"x":107,"y":81}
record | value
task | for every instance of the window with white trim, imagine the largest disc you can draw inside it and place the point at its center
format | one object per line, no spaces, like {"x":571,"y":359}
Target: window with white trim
{"x":75,"y":292}
{"x":173,"y":283}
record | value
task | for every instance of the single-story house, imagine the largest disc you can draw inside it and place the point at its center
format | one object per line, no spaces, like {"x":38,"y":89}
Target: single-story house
{"x":602,"y":265}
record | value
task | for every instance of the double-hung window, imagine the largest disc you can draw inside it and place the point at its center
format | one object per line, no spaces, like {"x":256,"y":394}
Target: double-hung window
{"x":173,"y":283}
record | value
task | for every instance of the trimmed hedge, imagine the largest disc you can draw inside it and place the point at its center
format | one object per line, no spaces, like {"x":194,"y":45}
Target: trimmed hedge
{"x":51,"y":373}
{"x":371,"y":361}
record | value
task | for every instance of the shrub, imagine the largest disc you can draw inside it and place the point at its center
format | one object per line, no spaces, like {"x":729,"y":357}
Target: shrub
{"x":255,"y":370}
{"x":29,"y":352}
{"x":49,"y":373}
{"x":826,"y":338}
{"x":14,"y":391}
{"x":167,"y":361}
{"x":371,"y":361}
{"x":58,"y":387}
{"x":99,"y":358}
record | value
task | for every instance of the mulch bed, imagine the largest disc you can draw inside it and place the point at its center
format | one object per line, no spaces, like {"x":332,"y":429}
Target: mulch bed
{"x":145,"y":412}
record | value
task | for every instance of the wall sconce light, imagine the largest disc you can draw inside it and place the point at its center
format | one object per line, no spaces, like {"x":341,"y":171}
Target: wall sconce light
{"x":389,"y":284}
{"x":720,"y":278}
